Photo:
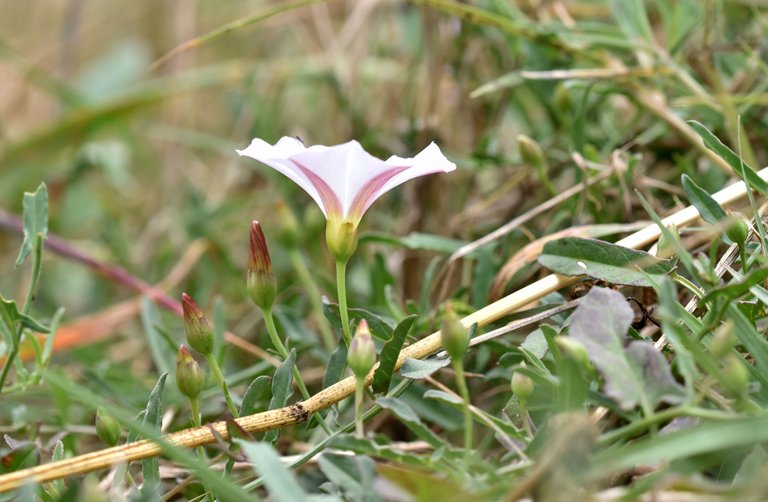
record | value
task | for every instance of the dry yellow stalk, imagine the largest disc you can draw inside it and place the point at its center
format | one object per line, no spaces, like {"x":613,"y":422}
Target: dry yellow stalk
{"x":299,"y":412}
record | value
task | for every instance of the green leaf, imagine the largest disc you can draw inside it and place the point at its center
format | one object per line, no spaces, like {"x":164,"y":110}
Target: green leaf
{"x":11,"y":315}
{"x":366,"y":446}
{"x":708,"y":207}
{"x":444,"y":397}
{"x":35,"y":220}
{"x":163,"y":357}
{"x":687,"y":350}
{"x":150,"y":467}
{"x":634,"y":373}
{"x":735,"y":289}
{"x":253,"y":394}
{"x":737,"y":164}
{"x":282,"y":390}
{"x":664,"y":448}
{"x":411,"y":420}
{"x":281,"y":484}
{"x":336,"y":365}
{"x":354,"y":475}
{"x":419,"y":369}
{"x":382,"y":377}
{"x":602,"y":260}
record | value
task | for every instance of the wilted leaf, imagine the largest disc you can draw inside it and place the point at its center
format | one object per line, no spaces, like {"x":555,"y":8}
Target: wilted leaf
{"x":603,"y":260}
{"x":633,"y":375}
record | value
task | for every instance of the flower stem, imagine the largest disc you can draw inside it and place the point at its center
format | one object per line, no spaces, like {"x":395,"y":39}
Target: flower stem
{"x":269,"y":321}
{"x":341,"y":286}
{"x":214,"y":365}
{"x":359,"y":387}
{"x":315,"y":298}
{"x":461,"y":383}
{"x":37,"y":265}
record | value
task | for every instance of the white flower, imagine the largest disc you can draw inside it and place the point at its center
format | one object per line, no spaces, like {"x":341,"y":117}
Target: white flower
{"x":344,"y":179}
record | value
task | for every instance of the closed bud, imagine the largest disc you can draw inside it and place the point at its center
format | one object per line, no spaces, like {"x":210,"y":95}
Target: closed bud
{"x":738,"y":230}
{"x":574,"y":349}
{"x":735,"y":375}
{"x":262,"y":286}
{"x":362,"y":351}
{"x":107,"y":428}
{"x":189,"y":377}
{"x":341,"y":237}
{"x":522,"y":385}
{"x":199,"y":330}
{"x":453,"y":334}
{"x":723,"y":340}
{"x":290,"y":232}
{"x":563,"y":100}
{"x":530,"y":151}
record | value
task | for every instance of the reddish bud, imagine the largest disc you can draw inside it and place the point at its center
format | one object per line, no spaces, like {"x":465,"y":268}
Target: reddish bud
{"x":199,"y":330}
{"x":189,"y":377}
{"x":362,"y":351}
{"x":262,"y":285}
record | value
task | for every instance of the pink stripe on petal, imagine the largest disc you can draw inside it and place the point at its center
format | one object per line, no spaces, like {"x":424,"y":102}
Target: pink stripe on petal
{"x":331,"y":205}
{"x":371,"y":191}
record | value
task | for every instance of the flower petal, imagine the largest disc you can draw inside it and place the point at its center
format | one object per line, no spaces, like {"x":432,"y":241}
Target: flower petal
{"x":278,"y":158}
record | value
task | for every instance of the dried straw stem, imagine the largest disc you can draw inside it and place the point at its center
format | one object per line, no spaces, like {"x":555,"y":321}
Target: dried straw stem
{"x":300,"y":411}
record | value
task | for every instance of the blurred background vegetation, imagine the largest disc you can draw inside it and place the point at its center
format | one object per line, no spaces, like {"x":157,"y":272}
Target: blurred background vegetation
{"x":138,"y":152}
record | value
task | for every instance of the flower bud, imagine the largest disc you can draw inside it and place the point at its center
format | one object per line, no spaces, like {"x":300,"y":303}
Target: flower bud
{"x":530,"y":151}
{"x":107,"y":428}
{"x":453,"y":334}
{"x":723,"y":340}
{"x":262,"y":286}
{"x":289,"y":235}
{"x":735,"y":375}
{"x":574,"y":349}
{"x":199,"y":330}
{"x":189,"y":377}
{"x":522,"y":385}
{"x":362,"y":351}
{"x":341,"y":237}
{"x":738,"y":230}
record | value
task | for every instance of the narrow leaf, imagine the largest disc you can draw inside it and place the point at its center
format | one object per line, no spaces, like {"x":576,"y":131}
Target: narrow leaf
{"x":354,"y":475}
{"x":382,"y":377}
{"x":737,"y":164}
{"x":281,"y":484}
{"x":336,"y":364}
{"x":411,"y":420}
{"x":282,"y":389}
{"x":35,"y":220}
{"x":10,"y":313}
{"x":163,"y":357}
{"x":602,"y":260}
{"x":419,"y":369}
{"x":253,"y":394}
{"x":735,"y":289}
{"x":150,"y":467}
{"x":708,"y":208}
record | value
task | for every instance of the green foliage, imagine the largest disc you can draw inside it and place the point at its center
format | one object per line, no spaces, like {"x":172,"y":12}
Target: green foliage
{"x":603,"y":260}
{"x":630,"y":106}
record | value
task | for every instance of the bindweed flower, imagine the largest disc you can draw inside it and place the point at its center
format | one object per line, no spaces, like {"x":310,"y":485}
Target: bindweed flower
{"x":261,"y":281}
{"x":189,"y":377}
{"x":344,"y":179}
{"x":199,"y":330}
{"x":362,"y":351}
